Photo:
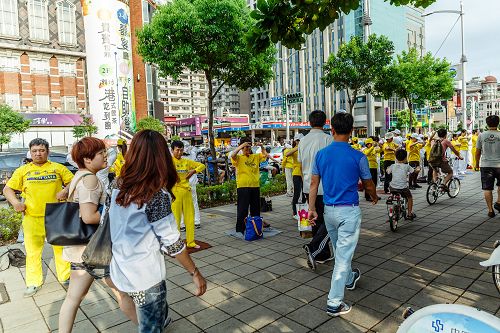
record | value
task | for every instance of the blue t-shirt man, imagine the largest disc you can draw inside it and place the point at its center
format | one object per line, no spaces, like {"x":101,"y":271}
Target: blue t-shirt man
{"x":340,"y":168}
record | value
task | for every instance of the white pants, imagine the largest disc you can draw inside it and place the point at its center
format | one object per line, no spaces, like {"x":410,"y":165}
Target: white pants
{"x":196,"y":208}
{"x":289,"y":181}
{"x":455,"y":165}
{"x":465,"y":161}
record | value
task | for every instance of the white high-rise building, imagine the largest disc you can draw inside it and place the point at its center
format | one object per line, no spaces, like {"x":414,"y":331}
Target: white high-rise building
{"x":186,"y":98}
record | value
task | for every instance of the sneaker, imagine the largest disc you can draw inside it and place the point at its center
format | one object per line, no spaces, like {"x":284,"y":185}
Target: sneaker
{"x":197,"y":226}
{"x":183,"y":229}
{"x":411,"y":217}
{"x":497,"y":206}
{"x":417,"y":186}
{"x":65,"y":283}
{"x":31,"y":290}
{"x":491,"y":214}
{"x":295,"y":216}
{"x":310,"y":259}
{"x":319,"y":261}
{"x":343,"y":308}
{"x":357,"y":276}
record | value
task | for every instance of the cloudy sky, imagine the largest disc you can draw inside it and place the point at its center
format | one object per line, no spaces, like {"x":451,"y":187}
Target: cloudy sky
{"x":482,"y":31}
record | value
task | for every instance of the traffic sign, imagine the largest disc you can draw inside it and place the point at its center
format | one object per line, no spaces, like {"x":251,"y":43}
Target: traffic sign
{"x":294,"y":98}
{"x":277,"y":101}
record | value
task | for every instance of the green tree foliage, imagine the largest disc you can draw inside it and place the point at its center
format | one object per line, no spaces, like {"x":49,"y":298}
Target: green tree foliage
{"x":238,"y":134}
{"x":287,"y":21}
{"x":416,"y":79}
{"x":206,"y":36}
{"x":175,"y":138}
{"x":403,"y":119}
{"x":87,"y":127}
{"x":151,"y":123}
{"x":356,"y":65}
{"x":11,"y":122}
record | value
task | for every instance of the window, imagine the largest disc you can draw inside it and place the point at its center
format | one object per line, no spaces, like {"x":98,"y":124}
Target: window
{"x":42,"y":102}
{"x":40,"y":66}
{"x":67,"y":68}
{"x":9,"y":64}
{"x":38,"y":19}
{"x":69,"y":103}
{"x":9,"y":25}
{"x":13,"y":100}
{"x":66,"y":23}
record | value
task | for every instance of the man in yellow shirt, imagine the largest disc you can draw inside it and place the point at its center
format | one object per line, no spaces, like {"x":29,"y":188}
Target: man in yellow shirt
{"x":475,"y":135}
{"x":183,"y":203}
{"x":40,"y":182}
{"x":247,"y":181}
{"x":371,"y":151}
{"x":413,"y":147}
{"x":389,"y":148}
{"x":464,"y":151}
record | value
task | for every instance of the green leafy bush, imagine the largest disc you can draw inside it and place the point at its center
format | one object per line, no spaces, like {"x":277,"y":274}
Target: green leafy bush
{"x":10,"y":223}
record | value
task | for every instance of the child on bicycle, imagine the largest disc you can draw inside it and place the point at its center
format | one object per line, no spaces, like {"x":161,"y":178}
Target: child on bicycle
{"x":400,"y":172}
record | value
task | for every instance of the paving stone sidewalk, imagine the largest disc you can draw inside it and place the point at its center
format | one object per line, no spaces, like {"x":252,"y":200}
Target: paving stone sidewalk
{"x":265,"y":286}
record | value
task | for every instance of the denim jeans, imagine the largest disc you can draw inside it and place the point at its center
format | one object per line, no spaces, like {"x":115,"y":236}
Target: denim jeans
{"x":152,"y":308}
{"x":343,"y":225}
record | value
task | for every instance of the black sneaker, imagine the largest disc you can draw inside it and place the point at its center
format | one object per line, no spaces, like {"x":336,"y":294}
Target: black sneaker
{"x":417,"y":186}
{"x":197,"y":226}
{"x":183,"y":229}
{"x":497,"y":206}
{"x":491,"y":214}
{"x":310,"y":259}
{"x":357,"y":275}
{"x":324,"y":261}
{"x":343,"y":308}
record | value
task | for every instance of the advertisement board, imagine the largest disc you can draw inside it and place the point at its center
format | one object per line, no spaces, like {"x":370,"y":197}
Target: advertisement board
{"x":53,"y":119}
{"x":109,"y":65}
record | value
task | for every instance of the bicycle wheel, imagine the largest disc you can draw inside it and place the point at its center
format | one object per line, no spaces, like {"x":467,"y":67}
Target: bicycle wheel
{"x":393,"y":220}
{"x":432,"y":193}
{"x":495,"y":271}
{"x":454,"y":188}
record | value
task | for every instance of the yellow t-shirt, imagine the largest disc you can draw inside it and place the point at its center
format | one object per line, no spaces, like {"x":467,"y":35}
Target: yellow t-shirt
{"x":183,"y":166}
{"x":456,"y":144}
{"x":371,"y":155}
{"x":247,"y":169}
{"x":389,"y":155}
{"x":474,"y":142}
{"x":287,"y":162}
{"x":356,"y":146}
{"x":464,"y":142}
{"x":39,"y":184}
{"x":427,"y":147}
{"x":413,"y":151}
{"x":117,"y":166}
{"x":297,"y":166}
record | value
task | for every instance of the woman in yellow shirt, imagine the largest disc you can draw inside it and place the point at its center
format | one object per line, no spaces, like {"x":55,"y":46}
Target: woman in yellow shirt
{"x":413,"y":148}
{"x":121,"y":144}
{"x":371,"y":151}
{"x":475,"y":135}
{"x":297,"y":176}
{"x":355,"y":144}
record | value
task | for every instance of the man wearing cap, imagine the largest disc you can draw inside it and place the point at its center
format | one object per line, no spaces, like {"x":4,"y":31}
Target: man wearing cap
{"x":389,"y":148}
{"x":413,"y":148}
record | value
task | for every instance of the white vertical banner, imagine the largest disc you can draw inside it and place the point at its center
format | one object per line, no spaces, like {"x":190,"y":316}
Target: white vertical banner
{"x":109,"y":65}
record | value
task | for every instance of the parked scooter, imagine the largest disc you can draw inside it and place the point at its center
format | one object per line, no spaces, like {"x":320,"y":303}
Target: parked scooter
{"x":494,"y":263}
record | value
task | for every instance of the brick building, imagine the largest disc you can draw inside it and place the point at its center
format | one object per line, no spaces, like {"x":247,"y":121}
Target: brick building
{"x":42,"y":66}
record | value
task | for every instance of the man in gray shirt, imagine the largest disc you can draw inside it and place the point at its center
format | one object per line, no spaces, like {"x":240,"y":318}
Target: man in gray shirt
{"x":488,"y":158}
{"x":318,"y":250}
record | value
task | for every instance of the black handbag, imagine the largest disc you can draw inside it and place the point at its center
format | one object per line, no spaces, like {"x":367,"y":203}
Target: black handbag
{"x":98,"y":252}
{"x":64,"y":226}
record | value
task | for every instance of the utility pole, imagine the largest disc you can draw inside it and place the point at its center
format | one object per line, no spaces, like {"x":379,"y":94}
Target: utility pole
{"x":463,"y":60}
{"x":370,"y":110}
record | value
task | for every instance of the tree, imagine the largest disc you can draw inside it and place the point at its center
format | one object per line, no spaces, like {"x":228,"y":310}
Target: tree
{"x":416,"y":79}
{"x":206,"y":36}
{"x":238,"y":134}
{"x":151,"y":123}
{"x":403,"y":119}
{"x":357,"y":64}
{"x":287,"y":21}
{"x":175,"y":138}
{"x":11,"y":123}
{"x":87,"y":127}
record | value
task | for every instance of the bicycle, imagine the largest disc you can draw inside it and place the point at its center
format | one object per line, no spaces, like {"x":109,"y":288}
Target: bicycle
{"x":396,"y":208}
{"x":438,"y":188}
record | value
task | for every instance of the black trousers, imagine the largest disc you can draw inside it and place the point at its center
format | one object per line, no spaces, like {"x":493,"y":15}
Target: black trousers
{"x":247,"y":197}
{"x":319,"y":245}
{"x":373,"y":172}
{"x":297,"y":191}
{"x":413,"y":177}
{"x":388,"y":177}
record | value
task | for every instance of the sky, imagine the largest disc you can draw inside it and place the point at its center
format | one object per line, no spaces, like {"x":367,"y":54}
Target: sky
{"x":482,"y":34}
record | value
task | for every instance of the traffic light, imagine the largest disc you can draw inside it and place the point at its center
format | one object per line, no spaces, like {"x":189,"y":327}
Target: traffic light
{"x":294,"y":98}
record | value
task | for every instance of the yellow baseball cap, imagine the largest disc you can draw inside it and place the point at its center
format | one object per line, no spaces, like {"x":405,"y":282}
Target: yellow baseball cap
{"x":354,"y":139}
{"x":121,"y":142}
{"x":369,"y":141}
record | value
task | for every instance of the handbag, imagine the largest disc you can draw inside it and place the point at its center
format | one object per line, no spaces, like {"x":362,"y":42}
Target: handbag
{"x":253,"y":228}
{"x":303,"y":223}
{"x":63,"y":224}
{"x":99,"y":251}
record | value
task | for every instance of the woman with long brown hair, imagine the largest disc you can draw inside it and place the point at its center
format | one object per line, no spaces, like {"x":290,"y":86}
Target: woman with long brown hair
{"x":143,"y":229}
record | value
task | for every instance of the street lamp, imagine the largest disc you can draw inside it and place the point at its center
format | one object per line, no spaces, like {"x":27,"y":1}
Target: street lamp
{"x":370,"y":110}
{"x":463,"y":59}
{"x":285,"y":91}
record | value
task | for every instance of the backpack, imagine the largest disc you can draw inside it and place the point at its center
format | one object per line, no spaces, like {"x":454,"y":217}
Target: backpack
{"x":436,"y":153}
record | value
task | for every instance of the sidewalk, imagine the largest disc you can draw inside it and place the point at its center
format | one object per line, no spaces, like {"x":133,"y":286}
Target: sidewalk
{"x":265,"y":286}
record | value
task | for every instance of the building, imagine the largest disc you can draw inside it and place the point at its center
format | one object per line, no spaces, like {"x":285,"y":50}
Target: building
{"x":301,"y":70}
{"x":185,"y":98}
{"x":227,"y":100}
{"x":42,"y":66}
{"x":483,"y":99}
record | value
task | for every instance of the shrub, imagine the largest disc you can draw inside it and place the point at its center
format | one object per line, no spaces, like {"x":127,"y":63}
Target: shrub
{"x":10,"y":223}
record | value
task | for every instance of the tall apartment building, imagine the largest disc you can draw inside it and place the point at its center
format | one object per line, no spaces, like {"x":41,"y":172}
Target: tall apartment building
{"x":42,"y":66}
{"x":301,"y":71}
{"x":227,"y":100}
{"x":186,"y":98}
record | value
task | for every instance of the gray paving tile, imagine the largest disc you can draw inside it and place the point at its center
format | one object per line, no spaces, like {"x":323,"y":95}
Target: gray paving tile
{"x":182,"y":326}
{"x":236,"y":305}
{"x":258,"y":317}
{"x":189,"y":306}
{"x":284,"y":325}
{"x":305,"y":293}
{"x":217,"y":295}
{"x":309,"y":316}
{"x":207,"y":317}
{"x":283,"y":304}
{"x":231,"y":325}
{"x":260,"y":294}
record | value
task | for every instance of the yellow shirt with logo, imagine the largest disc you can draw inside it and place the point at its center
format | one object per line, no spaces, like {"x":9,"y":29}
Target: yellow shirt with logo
{"x":464,"y":142}
{"x":456,"y":144}
{"x":117,"y":166}
{"x":474,"y":142}
{"x":389,"y":155}
{"x":413,"y":151}
{"x":183,"y":166}
{"x":287,"y":161}
{"x":39,"y":184}
{"x":247,"y":169}
{"x":371,"y":155}
{"x":356,"y":146}
{"x":297,"y":166}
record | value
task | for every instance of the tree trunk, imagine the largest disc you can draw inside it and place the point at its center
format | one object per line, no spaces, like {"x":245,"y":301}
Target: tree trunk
{"x":410,"y":121}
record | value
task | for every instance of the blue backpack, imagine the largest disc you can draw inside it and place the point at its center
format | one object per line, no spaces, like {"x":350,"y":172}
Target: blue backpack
{"x":253,"y":228}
